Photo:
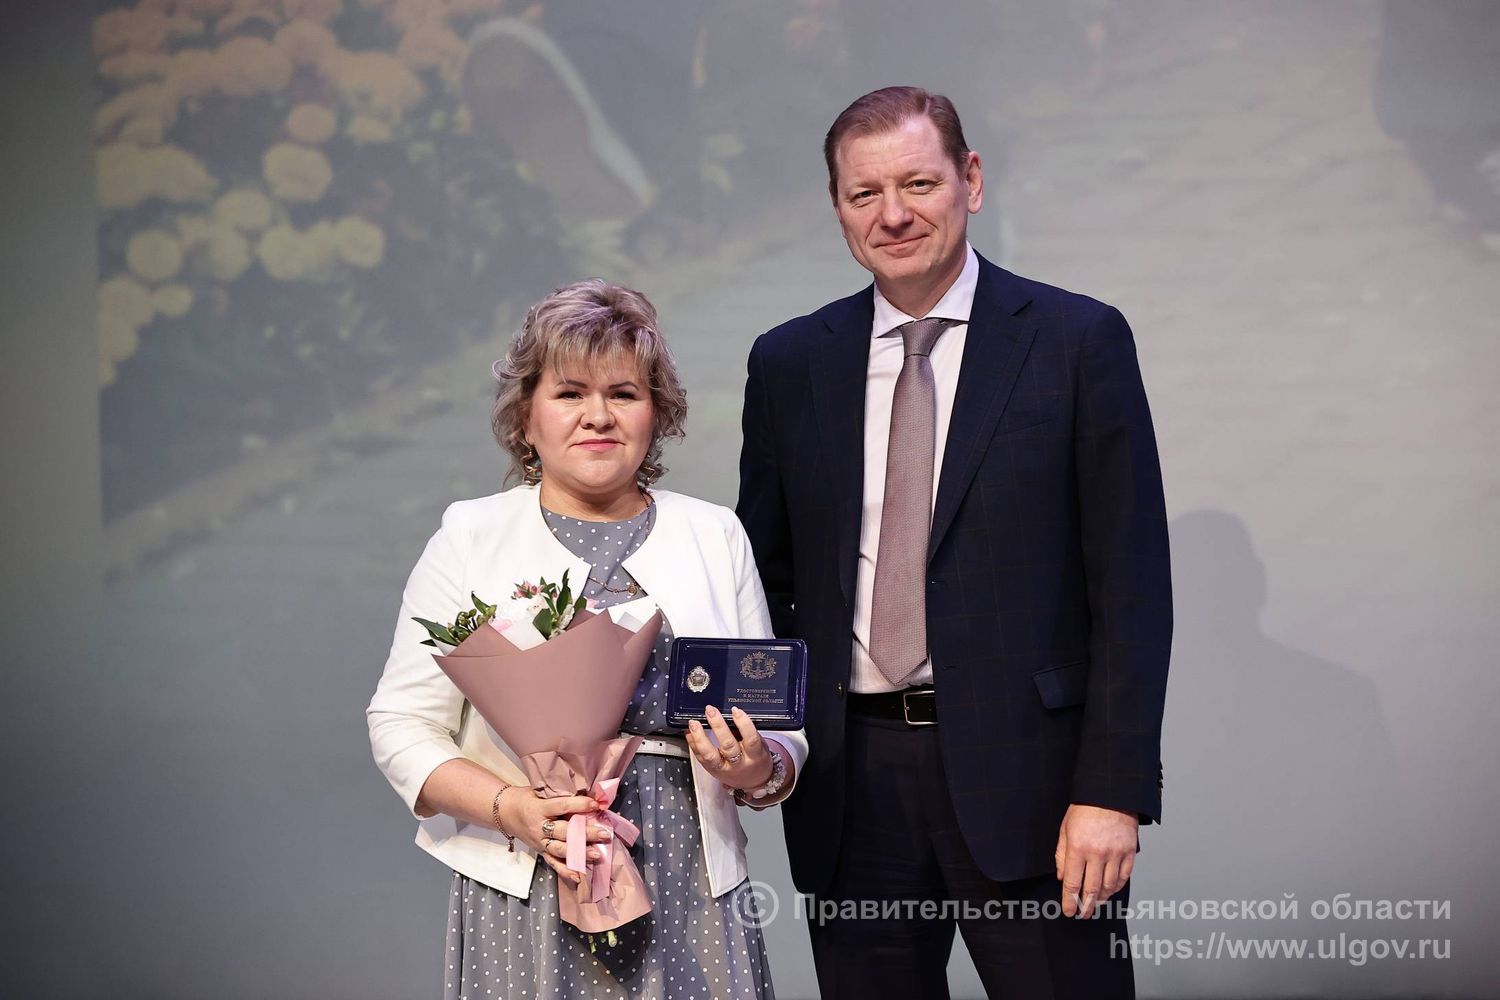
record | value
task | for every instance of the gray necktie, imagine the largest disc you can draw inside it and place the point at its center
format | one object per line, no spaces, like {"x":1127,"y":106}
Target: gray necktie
{"x":898,"y":612}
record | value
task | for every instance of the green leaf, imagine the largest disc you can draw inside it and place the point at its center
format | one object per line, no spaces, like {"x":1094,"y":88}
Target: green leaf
{"x":438,"y":632}
{"x":544,"y":622}
{"x":433,"y":628}
{"x":580,"y":604}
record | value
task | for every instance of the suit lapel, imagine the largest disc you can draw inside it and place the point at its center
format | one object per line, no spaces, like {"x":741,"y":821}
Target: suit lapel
{"x":839,"y":362}
{"x":994,"y":351}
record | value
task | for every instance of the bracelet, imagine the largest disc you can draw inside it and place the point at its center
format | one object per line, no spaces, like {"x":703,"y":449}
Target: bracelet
{"x":771,"y":787}
{"x":495,"y":815}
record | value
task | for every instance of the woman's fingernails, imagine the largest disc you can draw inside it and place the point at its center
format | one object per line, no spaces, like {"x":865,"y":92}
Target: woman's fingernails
{"x":595,"y":854}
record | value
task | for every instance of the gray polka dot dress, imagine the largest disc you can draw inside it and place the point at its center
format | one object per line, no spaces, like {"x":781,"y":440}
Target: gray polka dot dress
{"x":690,"y":945}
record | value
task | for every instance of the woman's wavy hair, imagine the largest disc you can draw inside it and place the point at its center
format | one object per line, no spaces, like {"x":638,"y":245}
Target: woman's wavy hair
{"x":581,"y":327}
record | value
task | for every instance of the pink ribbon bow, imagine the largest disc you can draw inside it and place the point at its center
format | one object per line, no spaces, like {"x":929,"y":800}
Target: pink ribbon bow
{"x":611,"y":851}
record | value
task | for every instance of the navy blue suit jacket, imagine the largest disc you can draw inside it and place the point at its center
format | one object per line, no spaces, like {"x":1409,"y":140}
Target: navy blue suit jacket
{"x":1049,"y":608}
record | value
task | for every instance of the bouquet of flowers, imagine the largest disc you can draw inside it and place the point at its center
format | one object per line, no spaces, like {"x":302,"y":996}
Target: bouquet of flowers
{"x":554,"y":679}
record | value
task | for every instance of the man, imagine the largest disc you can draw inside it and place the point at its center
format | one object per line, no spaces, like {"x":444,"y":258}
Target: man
{"x":963,"y":518}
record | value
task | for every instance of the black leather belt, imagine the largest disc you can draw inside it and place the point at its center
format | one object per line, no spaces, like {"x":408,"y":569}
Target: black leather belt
{"x":916,"y":706}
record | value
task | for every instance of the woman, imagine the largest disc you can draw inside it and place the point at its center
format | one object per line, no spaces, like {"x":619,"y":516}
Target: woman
{"x":587,"y":394}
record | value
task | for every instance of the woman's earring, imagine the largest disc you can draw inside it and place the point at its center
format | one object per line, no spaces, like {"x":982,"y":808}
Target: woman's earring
{"x":531,"y":465}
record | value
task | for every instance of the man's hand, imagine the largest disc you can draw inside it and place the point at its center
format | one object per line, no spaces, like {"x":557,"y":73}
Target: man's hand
{"x":1095,"y":854}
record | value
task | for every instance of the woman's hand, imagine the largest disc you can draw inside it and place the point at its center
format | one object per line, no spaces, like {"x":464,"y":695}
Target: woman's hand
{"x":542,"y":825}
{"x":737,"y":763}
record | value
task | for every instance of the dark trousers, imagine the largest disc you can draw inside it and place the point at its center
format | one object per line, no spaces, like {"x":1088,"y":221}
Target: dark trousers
{"x":901,"y":842}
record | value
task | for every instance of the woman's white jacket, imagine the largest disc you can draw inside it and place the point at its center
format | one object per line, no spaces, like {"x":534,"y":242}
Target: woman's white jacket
{"x":696,"y":563}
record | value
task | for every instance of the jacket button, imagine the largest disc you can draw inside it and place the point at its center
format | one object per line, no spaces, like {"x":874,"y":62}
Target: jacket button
{"x":839,"y":689}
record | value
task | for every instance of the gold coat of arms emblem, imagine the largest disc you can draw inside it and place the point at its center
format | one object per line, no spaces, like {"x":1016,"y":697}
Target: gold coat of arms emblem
{"x":758,"y":666}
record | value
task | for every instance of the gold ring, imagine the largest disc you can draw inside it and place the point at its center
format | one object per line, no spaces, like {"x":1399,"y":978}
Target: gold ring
{"x":731,"y":759}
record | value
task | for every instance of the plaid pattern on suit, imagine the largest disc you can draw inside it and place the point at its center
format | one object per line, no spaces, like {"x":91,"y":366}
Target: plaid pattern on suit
{"x":1048,"y":585}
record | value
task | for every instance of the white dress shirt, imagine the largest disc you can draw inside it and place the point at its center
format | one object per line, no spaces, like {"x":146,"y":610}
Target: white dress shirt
{"x":886,"y":356}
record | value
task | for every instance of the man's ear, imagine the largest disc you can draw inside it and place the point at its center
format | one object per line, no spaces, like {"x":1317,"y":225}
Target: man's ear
{"x":974,"y":176}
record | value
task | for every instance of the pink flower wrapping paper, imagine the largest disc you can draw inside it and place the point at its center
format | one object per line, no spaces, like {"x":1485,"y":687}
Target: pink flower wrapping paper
{"x":558,"y":706}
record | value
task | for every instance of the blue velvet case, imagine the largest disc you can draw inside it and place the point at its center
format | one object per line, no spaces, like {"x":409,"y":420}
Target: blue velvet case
{"x":767,"y":678}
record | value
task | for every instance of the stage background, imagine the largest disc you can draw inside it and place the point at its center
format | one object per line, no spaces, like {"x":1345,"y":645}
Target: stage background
{"x":258,"y":256}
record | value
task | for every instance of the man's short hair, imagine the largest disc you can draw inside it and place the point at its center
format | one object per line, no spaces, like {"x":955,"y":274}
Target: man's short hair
{"x":888,"y":109}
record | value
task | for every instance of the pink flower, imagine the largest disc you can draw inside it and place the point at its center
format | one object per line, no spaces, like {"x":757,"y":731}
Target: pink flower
{"x":525,"y":590}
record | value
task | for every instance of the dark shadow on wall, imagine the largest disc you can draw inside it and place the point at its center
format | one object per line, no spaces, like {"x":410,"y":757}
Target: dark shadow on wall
{"x":1276,"y":751}
{"x":1437,"y":88}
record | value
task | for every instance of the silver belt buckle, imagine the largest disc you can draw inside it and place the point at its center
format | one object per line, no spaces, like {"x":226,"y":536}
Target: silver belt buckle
{"x":906,"y":709}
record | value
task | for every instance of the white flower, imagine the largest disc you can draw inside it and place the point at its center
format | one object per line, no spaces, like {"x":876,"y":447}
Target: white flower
{"x":173,"y":300}
{"x":118,"y":340}
{"x":154,"y":255}
{"x":291,"y":255}
{"x":296,"y":173}
{"x":359,"y":242}
{"x":246,"y":66}
{"x":305,"y":42}
{"x":180,"y":176}
{"x":194,"y":230}
{"x":244,"y":11}
{"x":432,"y":45}
{"x":141,"y":114}
{"x":373,"y":83}
{"x":521,"y":609}
{"x":122,"y":179}
{"x":243,"y":208}
{"x":368,"y":130}
{"x":312,"y":124}
{"x":133,"y":65}
{"x":225,"y":255}
{"x":127,"y":300}
{"x":194,"y":73}
{"x":123,"y":29}
{"x":282,"y":253}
